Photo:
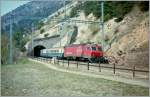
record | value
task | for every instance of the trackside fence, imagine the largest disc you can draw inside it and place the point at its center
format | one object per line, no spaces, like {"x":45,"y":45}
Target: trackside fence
{"x":98,"y":65}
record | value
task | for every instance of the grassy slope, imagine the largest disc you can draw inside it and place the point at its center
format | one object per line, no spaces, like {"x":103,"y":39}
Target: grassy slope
{"x":29,"y":78}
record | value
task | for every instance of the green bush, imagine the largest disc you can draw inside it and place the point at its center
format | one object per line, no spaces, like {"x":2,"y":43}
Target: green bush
{"x":94,"y":33}
{"x":59,"y":13}
{"x":39,"y":25}
{"x":46,"y":35}
{"x":119,"y":19}
{"x":73,"y":12}
{"x":107,"y":17}
{"x":42,"y":31}
{"x":19,"y":40}
{"x":23,"y":49}
{"x":23,"y":43}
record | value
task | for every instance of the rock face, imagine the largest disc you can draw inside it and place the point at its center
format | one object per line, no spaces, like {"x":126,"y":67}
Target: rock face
{"x":139,"y":59}
{"x":132,"y":42}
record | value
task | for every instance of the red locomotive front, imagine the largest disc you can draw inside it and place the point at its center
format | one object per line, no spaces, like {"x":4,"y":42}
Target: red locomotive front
{"x":87,"y":51}
{"x":92,"y":51}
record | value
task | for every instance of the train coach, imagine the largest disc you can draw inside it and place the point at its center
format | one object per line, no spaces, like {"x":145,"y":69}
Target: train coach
{"x":52,"y":52}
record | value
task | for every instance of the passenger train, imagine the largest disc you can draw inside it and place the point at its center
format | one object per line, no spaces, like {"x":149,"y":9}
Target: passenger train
{"x":91,"y":52}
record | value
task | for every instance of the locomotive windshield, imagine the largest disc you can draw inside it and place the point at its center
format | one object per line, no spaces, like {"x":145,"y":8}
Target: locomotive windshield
{"x":94,"y":48}
{"x":99,"y":48}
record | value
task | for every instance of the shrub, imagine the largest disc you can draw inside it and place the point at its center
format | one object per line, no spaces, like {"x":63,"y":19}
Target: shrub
{"x":23,"y":49}
{"x":94,"y":33}
{"x":107,"y":17}
{"x":46,"y":35}
{"x":73,"y":12}
{"x":119,"y":19}
{"x":59,"y":13}
{"x":19,"y":40}
{"x":23,"y":42}
{"x":40,"y":24}
{"x":42,"y":31}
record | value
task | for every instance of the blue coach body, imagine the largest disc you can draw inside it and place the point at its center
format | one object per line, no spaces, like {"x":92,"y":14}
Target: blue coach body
{"x":53,"y":52}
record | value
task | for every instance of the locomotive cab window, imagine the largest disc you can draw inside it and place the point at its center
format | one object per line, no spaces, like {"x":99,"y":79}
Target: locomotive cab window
{"x":94,"y":48}
{"x":99,"y":48}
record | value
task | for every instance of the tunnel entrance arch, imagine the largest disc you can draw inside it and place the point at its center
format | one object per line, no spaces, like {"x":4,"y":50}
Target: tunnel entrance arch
{"x":37,"y":49}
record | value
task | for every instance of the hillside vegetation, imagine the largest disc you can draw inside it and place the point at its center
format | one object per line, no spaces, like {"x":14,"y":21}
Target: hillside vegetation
{"x":111,"y":9}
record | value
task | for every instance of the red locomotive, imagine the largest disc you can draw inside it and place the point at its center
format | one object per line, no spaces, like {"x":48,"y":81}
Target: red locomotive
{"x":91,"y":52}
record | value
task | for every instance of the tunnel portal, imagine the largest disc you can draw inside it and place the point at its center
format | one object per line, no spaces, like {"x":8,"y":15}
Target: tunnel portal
{"x":36,"y":51}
